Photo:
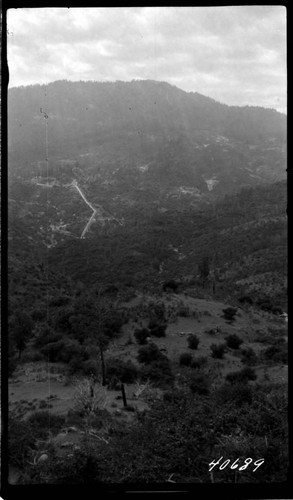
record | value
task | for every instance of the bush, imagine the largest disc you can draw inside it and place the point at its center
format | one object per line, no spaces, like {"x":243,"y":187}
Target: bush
{"x":233,"y":341}
{"x":52,"y":350}
{"x":200,"y":385}
{"x":212,"y":331}
{"x":245,"y":299}
{"x":199,"y":362}
{"x":20,"y":441}
{"x":141,"y":335}
{"x":75,"y":364}
{"x":157,"y":312}
{"x":12,"y":365}
{"x":184,"y":311}
{"x":45,"y":422}
{"x":276,"y":353}
{"x":43,"y":404}
{"x":90,"y":367}
{"x":46,"y":335}
{"x":229,"y":313}
{"x":242,"y":376}
{"x":270,"y":306}
{"x":171,"y":396}
{"x":238,"y":394}
{"x":122,"y":371}
{"x":192,"y":341}
{"x":113,"y":324}
{"x":170,"y":285}
{"x":149,"y":353}
{"x":248,"y":356}
{"x":185,"y":359}
{"x":157,"y":328}
{"x":277,"y":310}
{"x":218,"y":350}
{"x":159,"y":372}
{"x":59,"y":301}
{"x":33,"y":356}
{"x":39,"y":314}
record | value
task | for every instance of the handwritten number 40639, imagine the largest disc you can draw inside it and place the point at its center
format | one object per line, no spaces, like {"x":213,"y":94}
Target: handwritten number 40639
{"x":236,"y":464}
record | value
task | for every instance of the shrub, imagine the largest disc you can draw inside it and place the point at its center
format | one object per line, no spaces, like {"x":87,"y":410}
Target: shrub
{"x":90,"y":367}
{"x":218,"y":350}
{"x":270,"y":306}
{"x":157,"y":328}
{"x":129,"y":408}
{"x":233,"y":341}
{"x":278,"y":331}
{"x":124,"y":371}
{"x":61,"y":319}
{"x":276,"y":353}
{"x":59,"y":301}
{"x":248,"y":356}
{"x":39,"y":314}
{"x":245,"y":299}
{"x":157,"y":313}
{"x":229,"y":313}
{"x":192,"y":341}
{"x":159,"y":372}
{"x":238,"y":394}
{"x":170,"y":285}
{"x":185,"y":359}
{"x":173,"y":395}
{"x":184,"y":311}
{"x":149,"y":353}
{"x":12,"y":365}
{"x":199,"y":362}
{"x":212,"y":331}
{"x":262,"y":337}
{"x":43,"y":404}
{"x":277,"y":310}
{"x":75,"y":364}
{"x":20,"y":441}
{"x":52,"y":350}
{"x":71,"y":349}
{"x":44,"y":422}
{"x":20,"y":330}
{"x":113,"y":324}
{"x":141,"y":335}
{"x":46,"y":335}
{"x":200,"y":385}
{"x":111,"y":290}
{"x":242,"y":376}
{"x":33,"y":356}
{"x":74,"y":418}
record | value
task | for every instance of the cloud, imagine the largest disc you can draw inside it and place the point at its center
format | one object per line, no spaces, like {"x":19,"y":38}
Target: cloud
{"x":233,"y":54}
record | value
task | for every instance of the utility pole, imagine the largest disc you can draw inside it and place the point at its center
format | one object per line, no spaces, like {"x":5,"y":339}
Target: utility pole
{"x":46,"y":116}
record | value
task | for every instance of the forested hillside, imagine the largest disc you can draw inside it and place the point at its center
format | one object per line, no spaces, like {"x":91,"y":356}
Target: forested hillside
{"x":147,"y":271}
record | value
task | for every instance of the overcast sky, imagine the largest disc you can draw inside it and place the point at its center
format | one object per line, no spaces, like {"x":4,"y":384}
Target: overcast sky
{"x":236,"y":55}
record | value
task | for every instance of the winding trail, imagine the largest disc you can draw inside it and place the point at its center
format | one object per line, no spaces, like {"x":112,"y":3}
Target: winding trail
{"x":88,"y":224}
{"x":74,"y":183}
{"x":92,"y":218}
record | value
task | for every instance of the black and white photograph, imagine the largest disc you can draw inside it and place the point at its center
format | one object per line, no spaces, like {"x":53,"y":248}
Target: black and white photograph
{"x":147,"y":246}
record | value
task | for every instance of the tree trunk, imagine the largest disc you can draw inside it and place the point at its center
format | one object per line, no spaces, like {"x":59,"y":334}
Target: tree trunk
{"x":103,"y":366}
{"x":123,"y":395}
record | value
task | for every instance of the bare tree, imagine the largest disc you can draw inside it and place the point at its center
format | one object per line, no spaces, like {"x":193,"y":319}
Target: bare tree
{"x":89,"y":397}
